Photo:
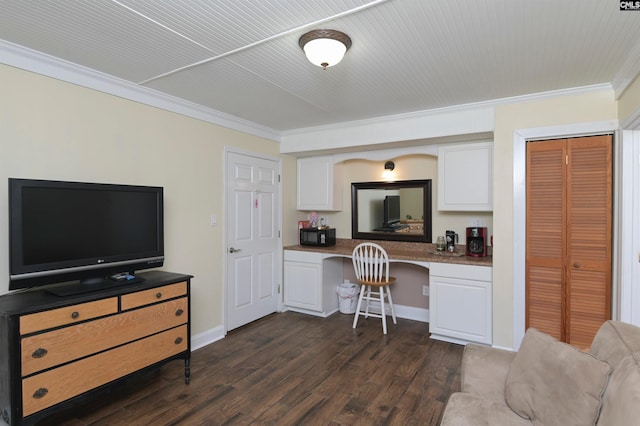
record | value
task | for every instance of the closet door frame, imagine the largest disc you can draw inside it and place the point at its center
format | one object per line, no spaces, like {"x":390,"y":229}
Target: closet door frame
{"x":520,"y":138}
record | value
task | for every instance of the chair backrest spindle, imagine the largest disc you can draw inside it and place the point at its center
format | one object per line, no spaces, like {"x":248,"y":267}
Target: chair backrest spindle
{"x":371,"y":263}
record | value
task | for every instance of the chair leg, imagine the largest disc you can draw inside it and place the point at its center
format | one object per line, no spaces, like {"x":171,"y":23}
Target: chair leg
{"x":393,"y":312}
{"x":382,"y":311}
{"x":355,"y":319}
{"x":367,"y":297}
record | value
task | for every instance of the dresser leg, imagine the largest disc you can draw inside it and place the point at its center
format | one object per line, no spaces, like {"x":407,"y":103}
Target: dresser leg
{"x":187,"y":370}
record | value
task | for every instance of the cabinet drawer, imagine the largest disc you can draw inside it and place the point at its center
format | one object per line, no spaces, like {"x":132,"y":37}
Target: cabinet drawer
{"x":54,"y":386}
{"x":303,"y":256}
{"x":67,"y":344}
{"x":67,"y":315}
{"x":146,"y":297}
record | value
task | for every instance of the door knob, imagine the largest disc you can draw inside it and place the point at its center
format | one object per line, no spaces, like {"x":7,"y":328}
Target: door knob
{"x":234,"y":250}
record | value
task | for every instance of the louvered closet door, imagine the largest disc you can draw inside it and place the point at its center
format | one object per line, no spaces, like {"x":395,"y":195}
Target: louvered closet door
{"x":568,"y":273}
{"x":588,"y":237}
{"x":545,"y":236}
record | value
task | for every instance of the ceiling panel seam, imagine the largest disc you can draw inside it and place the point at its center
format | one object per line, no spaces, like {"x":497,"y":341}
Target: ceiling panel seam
{"x":265,"y":40}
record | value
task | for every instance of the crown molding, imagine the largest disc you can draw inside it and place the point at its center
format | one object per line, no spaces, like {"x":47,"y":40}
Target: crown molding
{"x":31,"y":60}
{"x":449,"y":122}
{"x":476,"y":106}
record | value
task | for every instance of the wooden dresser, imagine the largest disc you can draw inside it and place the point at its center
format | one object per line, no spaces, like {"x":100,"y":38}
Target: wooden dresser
{"x":58,"y":352}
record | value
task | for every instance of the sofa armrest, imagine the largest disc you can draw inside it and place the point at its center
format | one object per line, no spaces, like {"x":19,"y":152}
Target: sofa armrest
{"x":484,"y":371}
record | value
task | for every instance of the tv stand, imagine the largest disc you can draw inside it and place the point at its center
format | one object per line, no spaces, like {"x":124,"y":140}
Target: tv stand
{"x":58,"y":353}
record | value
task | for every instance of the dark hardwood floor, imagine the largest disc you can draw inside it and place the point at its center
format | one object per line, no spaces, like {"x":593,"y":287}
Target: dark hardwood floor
{"x":290,"y":368}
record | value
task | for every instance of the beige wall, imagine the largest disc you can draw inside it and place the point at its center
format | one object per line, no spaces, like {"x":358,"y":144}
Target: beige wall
{"x":54,"y":130}
{"x":562,"y":110}
{"x":290,"y":216}
{"x":629,"y":102}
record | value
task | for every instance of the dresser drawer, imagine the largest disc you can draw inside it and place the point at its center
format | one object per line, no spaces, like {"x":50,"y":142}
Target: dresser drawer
{"x":146,"y":297}
{"x":67,"y":315}
{"x":70,"y":343}
{"x":54,"y":386}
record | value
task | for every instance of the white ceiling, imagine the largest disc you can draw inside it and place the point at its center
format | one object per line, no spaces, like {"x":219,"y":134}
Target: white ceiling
{"x":241,"y":57}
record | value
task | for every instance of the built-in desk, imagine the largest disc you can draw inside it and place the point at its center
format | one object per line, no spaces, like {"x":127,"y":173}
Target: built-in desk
{"x":460,"y":297}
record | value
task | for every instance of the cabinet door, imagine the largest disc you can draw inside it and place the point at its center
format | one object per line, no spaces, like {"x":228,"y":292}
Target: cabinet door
{"x":465,"y":177}
{"x":460,"y":309}
{"x":303,"y":285}
{"x":319,"y":184}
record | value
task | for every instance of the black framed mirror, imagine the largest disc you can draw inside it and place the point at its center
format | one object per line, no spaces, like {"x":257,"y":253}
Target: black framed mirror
{"x":395,"y":211}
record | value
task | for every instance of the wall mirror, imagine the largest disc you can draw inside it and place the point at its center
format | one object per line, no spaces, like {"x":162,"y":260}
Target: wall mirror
{"x":396,"y":211}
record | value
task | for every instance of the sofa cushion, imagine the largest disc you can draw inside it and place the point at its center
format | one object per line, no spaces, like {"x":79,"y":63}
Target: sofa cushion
{"x":553,"y":383}
{"x":484,"y":371}
{"x":614,"y":341}
{"x":464,"y":409}
{"x":621,"y":405}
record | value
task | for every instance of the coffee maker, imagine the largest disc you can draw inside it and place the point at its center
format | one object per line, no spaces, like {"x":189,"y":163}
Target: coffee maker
{"x":477,"y":241}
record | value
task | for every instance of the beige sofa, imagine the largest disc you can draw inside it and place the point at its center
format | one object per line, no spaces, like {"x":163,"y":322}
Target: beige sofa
{"x":551,"y":383}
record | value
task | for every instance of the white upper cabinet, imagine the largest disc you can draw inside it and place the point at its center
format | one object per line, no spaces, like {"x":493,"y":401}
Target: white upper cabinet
{"x":465,"y":177}
{"x":319,"y":184}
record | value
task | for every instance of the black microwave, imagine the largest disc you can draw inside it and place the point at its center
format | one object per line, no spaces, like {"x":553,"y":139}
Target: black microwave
{"x":323,"y":237}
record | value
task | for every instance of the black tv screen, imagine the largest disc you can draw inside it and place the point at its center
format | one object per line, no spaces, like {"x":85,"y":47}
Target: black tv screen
{"x":62,"y":231}
{"x":391,"y":210}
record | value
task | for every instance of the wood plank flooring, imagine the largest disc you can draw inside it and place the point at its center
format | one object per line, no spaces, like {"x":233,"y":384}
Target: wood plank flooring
{"x":293,"y":369}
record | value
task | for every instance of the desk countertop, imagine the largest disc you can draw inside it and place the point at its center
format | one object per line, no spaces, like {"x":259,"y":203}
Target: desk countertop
{"x":421,"y":252}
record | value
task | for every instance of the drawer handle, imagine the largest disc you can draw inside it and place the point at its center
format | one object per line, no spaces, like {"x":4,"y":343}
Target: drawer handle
{"x":179,"y":312}
{"x":178,"y":340}
{"x":39,"y":353}
{"x":75,"y":314}
{"x":158,"y":295}
{"x":40,"y":393}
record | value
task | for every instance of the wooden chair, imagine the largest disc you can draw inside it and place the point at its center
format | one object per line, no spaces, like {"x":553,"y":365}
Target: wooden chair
{"x":371,"y":264}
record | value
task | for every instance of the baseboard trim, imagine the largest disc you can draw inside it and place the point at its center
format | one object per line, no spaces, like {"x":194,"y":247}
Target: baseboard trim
{"x":217,"y":333}
{"x":207,"y":337}
{"x":411,"y":313}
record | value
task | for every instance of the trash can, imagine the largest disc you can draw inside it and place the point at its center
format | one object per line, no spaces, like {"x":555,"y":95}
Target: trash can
{"x":348,"y":297}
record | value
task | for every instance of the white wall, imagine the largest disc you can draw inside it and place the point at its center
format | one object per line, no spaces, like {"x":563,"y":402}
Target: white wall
{"x":55,"y":130}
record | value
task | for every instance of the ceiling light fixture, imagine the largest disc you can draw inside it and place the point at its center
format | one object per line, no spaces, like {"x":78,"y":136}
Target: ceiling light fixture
{"x":389,"y":165}
{"x":324,"y":48}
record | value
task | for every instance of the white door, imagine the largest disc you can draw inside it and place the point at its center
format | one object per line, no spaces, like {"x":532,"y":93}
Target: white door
{"x":253,"y":255}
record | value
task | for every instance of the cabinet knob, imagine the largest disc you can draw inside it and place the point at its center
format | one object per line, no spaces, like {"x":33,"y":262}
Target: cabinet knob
{"x":40,"y":393}
{"x":158,"y":295}
{"x":178,"y":340}
{"x":39,"y":353}
{"x":75,"y":314}
{"x":179,"y":312}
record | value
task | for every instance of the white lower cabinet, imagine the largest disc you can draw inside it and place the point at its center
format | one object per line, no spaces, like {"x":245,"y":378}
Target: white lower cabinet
{"x":310,"y":282}
{"x":460,"y":303}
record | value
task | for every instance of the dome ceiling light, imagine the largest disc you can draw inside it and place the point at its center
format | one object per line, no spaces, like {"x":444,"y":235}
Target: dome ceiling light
{"x":324,"y":48}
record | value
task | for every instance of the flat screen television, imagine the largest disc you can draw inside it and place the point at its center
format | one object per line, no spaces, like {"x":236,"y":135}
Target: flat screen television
{"x":86,"y":232}
{"x":391,"y":211}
